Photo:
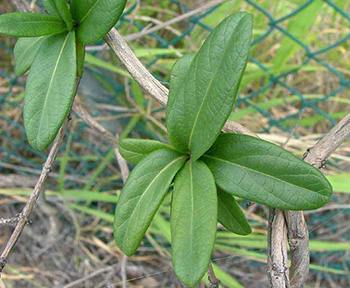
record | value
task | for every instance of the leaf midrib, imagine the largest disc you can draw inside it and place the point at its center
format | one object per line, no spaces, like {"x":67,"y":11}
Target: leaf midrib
{"x":262,"y":173}
{"x":145,"y":192}
{"x":88,"y":12}
{"x":50,"y":84}
{"x":192,"y":207}
{"x":33,"y":44}
{"x":207,"y":90}
{"x":232,"y":216}
{"x":39,"y":21}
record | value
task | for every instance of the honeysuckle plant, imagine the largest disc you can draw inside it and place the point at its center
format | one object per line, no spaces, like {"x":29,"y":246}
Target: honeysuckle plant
{"x":204,"y":168}
{"x":52,"y":46}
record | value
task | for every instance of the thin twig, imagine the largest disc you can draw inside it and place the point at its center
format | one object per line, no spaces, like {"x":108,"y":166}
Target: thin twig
{"x":78,"y":282}
{"x":84,"y":114}
{"x":213,"y":280}
{"x":28,"y":208}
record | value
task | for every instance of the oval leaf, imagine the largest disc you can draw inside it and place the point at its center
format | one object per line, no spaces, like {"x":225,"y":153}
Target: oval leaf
{"x":265,"y":173}
{"x":230,"y":214}
{"x":204,"y":100}
{"x":177,"y":80}
{"x":96,"y":17}
{"x":30,"y":24}
{"x":50,"y":89}
{"x":61,"y":8}
{"x":134,"y":150}
{"x":142,"y":195}
{"x":25,"y":52}
{"x":193,"y":221}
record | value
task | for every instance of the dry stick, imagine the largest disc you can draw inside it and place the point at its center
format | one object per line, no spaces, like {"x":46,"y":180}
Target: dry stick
{"x":297,"y":230}
{"x":317,"y":155}
{"x":277,"y":255}
{"x":28,"y":208}
{"x":79,"y":109}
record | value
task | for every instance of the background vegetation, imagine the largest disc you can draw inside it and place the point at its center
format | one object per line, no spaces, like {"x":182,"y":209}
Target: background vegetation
{"x":295,"y":88}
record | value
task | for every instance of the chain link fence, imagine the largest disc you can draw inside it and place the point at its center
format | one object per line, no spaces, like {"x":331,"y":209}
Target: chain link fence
{"x":298,"y":75}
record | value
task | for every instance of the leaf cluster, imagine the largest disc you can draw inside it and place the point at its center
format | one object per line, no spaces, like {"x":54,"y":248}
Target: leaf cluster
{"x":52,"y":46}
{"x":204,"y":168}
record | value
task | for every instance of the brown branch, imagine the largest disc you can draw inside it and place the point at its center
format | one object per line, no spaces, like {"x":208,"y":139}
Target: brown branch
{"x":277,"y":260}
{"x":85,"y":115}
{"x":298,"y":239}
{"x":136,"y":69}
{"x":30,"y":204}
{"x":317,"y":155}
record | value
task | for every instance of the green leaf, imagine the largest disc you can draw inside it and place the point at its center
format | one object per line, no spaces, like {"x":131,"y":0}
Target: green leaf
{"x":230,"y":214}
{"x":142,"y":195}
{"x":134,"y":150}
{"x":25,"y":51}
{"x":50,"y":89}
{"x":61,"y":8}
{"x":96,"y":17}
{"x":193,"y":221}
{"x":177,"y":79}
{"x":50,"y":9}
{"x":266,"y":173}
{"x":200,"y":101}
{"x":30,"y":24}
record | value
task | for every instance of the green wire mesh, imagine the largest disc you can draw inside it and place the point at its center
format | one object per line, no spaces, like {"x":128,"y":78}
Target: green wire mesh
{"x":280,"y":89}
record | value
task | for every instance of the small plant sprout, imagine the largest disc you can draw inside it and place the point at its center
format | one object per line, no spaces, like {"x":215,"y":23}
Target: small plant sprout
{"x":52,"y":46}
{"x":204,"y":168}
